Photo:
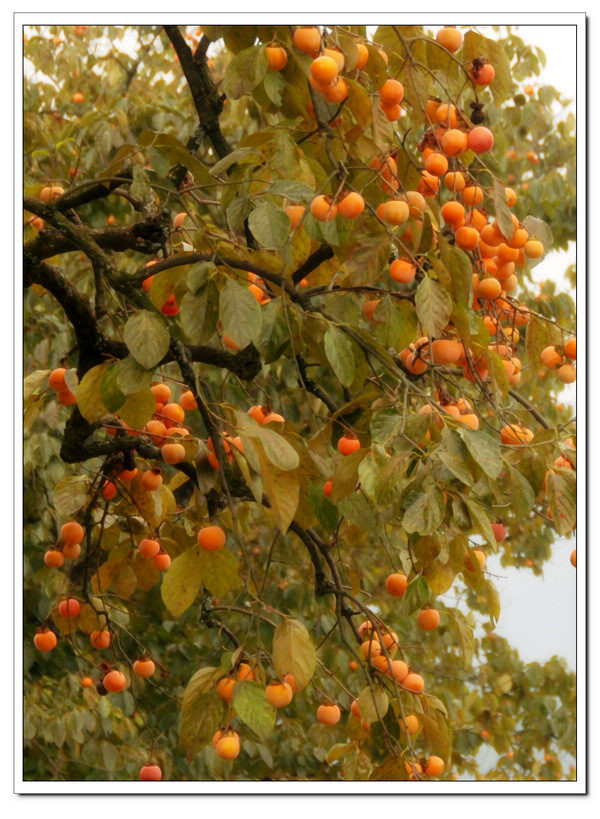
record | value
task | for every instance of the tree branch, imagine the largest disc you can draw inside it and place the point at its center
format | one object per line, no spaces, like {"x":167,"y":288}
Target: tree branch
{"x":207,"y":101}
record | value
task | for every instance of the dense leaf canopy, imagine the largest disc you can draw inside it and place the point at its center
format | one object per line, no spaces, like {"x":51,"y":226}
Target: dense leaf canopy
{"x":211,"y":227}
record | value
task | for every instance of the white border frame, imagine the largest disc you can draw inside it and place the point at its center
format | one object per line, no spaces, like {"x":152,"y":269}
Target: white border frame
{"x":304,"y":788}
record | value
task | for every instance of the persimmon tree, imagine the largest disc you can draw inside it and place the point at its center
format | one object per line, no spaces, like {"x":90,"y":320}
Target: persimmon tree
{"x":287,"y":383}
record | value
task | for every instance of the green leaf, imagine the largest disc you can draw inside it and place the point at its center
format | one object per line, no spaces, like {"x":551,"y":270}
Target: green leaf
{"x":498,"y":375}
{"x":523,"y":495}
{"x":200,"y":274}
{"x":33,"y":382}
{"x":481,"y":522}
{"x":338,"y":349}
{"x":416,"y":595}
{"x":493,"y":601}
{"x":147,"y":338}
{"x":269,"y":225}
{"x":433,"y":305}
{"x":465,"y":634}
{"x":503,"y":212}
{"x":293,"y":652}
{"x":345,"y":476}
{"x":70,"y":495}
{"x":283,"y":492}
{"x":110,"y":394}
{"x":277,"y":449}
{"x":484,"y":449}
{"x":393,"y":769}
{"x":89,"y":398}
{"x":231,"y":158}
{"x":454,"y":455}
{"x":325,"y":511}
{"x":251,"y":706}
{"x":200,"y":314}
{"x":138,"y":409}
{"x":245,"y":72}
{"x":292,"y":190}
{"x":274,"y":85}
{"x":425,"y":511}
{"x":359,"y":103}
{"x":436,"y":732}
{"x":219,"y":571}
{"x":164,"y":284}
{"x":373,"y":705}
{"x":182,"y":582}
{"x":562,"y":499}
{"x":203,"y":711}
{"x":399,"y":322}
{"x":240,"y":313}
{"x":132,"y":377}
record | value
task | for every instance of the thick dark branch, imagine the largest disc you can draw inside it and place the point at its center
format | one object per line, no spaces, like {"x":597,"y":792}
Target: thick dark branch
{"x":236,"y":264}
{"x":204,"y":93}
{"x":322,"y":586}
{"x":92,"y":193}
{"x":201,"y":49}
{"x":320,"y":255}
{"x":313,"y":388}
{"x":146,"y":236}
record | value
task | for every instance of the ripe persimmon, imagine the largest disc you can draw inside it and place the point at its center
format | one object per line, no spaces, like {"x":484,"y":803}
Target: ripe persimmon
{"x":514,"y":435}
{"x":71,"y":551}
{"x":152,"y":479}
{"x":480,"y":139}
{"x":567,"y":373}
{"x":481,"y":559}
{"x":351,"y":206}
{"x":446,"y":351}
{"x":69,"y":608}
{"x":114,"y":681}
{"x":279,"y":694}
{"x":45,"y":640}
{"x":396,"y":584}
{"x":56,"y":379}
{"x":484,"y":75}
{"x":161,"y":561}
{"x":54,"y":559}
{"x":172,"y":413}
{"x":276,"y":58}
{"x":144,"y":667}
{"x":211,"y":538}
{"x":571,"y":348}
{"x":428,"y":619}
{"x":454,"y":142}
{"x":402,"y":271}
{"x":100,"y":639}
{"x":414,"y":682}
{"x":323,"y":209}
{"x":573,"y":558}
{"x":348,"y":444}
{"x":308,"y":39}
{"x":467,"y":238}
{"x":225,"y":688}
{"x":51,"y":192}
{"x":391,"y":92}
{"x":161,"y":392}
{"x":173,"y":453}
{"x":394,"y":212}
{"x":66,"y":398}
{"x":329,"y":714}
{"x":228,"y":747}
{"x":450,"y":38}
{"x":436,"y":164}
{"x":295,"y":212}
{"x":149,"y":548}
{"x":499,"y":530}
{"x":363,"y":55}
{"x":150,"y":773}
{"x":87,"y":682}
{"x":435,"y":766}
